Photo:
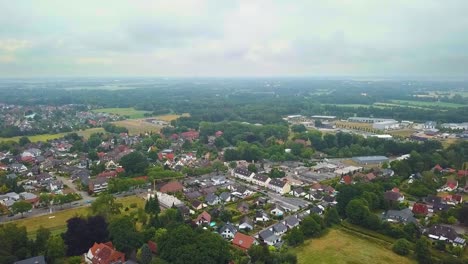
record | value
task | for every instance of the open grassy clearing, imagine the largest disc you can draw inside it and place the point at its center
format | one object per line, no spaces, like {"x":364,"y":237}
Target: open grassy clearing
{"x":400,"y":105}
{"x":170,"y":117}
{"x":339,"y":246}
{"x":58,"y":222}
{"x":137,"y":126}
{"x":426,"y":104}
{"x":129,"y":112}
{"x":44,"y":137}
{"x":402,"y":132}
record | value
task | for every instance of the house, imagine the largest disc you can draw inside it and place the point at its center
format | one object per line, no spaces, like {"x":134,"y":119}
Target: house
{"x":246,"y":223}
{"x":242,"y":241}
{"x":18,"y":167}
{"x":268,"y":237}
{"x":103,"y":253}
{"x":261,"y":180}
{"x":453,"y":199}
{"x":447,"y":234}
{"x":172,"y":187}
{"x":225,"y":197}
{"x":243,"y":207}
{"x":33,"y":260}
{"x":212,"y":199}
{"x":450,"y":186}
{"x":279,"y":186}
{"x":394,"y":196}
{"x":197,"y":205}
{"x":346,"y":180}
{"x":190,"y":135}
{"x":291,"y":221}
{"x":277,"y":210}
{"x":218,"y":180}
{"x":243,"y":173}
{"x":317,"y":209}
{"x":430,"y":125}
{"x":279,"y":229}
{"x":420,"y":209}
{"x":402,"y":216}
{"x":193,"y":195}
{"x":298,"y":192}
{"x":203,"y":218}
{"x":98,"y":185}
{"x":228,"y":231}
{"x":261,"y":216}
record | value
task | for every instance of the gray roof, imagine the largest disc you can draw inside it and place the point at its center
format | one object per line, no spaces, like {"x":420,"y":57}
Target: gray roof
{"x":370,"y":159}
{"x":33,"y":260}
{"x":229,"y":226}
{"x":265,"y":234}
{"x":246,"y":220}
{"x":291,"y":221}
{"x":261,"y":177}
{"x":277,"y":182}
{"x":211,"y":198}
{"x":405,"y":215}
{"x":279,"y":227}
{"x":11,"y":176}
{"x":224,"y":196}
{"x":242,"y":171}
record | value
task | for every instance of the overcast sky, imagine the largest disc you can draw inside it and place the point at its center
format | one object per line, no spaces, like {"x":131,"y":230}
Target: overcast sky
{"x":234,"y":38}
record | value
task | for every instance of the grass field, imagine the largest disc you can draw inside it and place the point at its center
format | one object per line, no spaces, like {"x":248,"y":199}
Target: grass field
{"x":44,"y":137}
{"x":130,"y":112}
{"x":426,"y":104}
{"x":58,"y":223}
{"x":137,"y":126}
{"x":341,"y":247}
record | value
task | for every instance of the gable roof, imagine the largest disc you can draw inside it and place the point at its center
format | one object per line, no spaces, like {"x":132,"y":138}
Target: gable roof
{"x":173,"y":186}
{"x":291,"y":221}
{"x":104,"y":253}
{"x":277,"y":183}
{"x":279,"y":227}
{"x":204,"y":216}
{"x":33,"y":260}
{"x":228,"y":226}
{"x":392,"y":196}
{"x":347,"y":179}
{"x":419,"y":208}
{"x":243,"y":241}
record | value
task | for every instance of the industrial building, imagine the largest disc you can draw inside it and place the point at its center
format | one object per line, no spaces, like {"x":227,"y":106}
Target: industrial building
{"x":386,"y":125}
{"x":371,"y":160}
{"x":368,"y":119}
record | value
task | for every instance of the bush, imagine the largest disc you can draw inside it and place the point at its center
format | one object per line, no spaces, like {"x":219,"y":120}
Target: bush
{"x":133,"y":205}
{"x":401,"y":247}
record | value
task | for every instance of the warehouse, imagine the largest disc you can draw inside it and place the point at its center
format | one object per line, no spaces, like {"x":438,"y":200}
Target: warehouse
{"x":371,"y":160}
{"x":386,"y":125}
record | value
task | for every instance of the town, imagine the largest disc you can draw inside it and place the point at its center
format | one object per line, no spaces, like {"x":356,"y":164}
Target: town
{"x":276,"y":190}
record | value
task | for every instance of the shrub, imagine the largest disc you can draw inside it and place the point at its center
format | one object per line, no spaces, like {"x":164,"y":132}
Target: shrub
{"x":401,"y":247}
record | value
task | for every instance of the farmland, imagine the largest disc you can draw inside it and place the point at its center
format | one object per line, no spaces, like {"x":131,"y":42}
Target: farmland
{"x":137,"y":126}
{"x":44,"y":137}
{"x":130,"y":112}
{"x":426,"y":104}
{"x":339,"y":246}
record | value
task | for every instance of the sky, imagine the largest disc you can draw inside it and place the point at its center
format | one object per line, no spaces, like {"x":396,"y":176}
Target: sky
{"x":202,"y":38}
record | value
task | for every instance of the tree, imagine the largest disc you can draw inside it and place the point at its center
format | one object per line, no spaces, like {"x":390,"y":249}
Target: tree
{"x":77,"y":236}
{"x":152,"y":205}
{"x":422,"y":251}
{"x":310,"y":228}
{"x":357,"y":211}
{"x":146,"y":255}
{"x":295,"y":237}
{"x":124,"y":235}
{"x":24,"y":141}
{"x":401,"y":247}
{"x":97,"y":227}
{"x":21,"y":207}
{"x":13,"y":243}
{"x":298,"y":128}
{"x":332,"y":217}
{"x":42,"y":236}
{"x":106,"y":206}
{"x":134,"y":162}
{"x":252,"y":168}
{"x":55,"y":249}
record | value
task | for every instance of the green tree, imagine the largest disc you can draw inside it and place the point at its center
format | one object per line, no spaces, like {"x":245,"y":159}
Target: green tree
{"x":422,"y":251}
{"x":401,"y":247}
{"x":357,"y":211}
{"x":24,"y":141}
{"x":106,"y":206}
{"x":21,"y":207}
{"x":134,"y":162}
{"x":42,"y":236}
{"x":124,"y":235}
{"x":55,"y":249}
{"x":146,"y":255}
{"x":152,"y":205}
{"x":252,"y":168}
{"x":310,"y":228}
{"x":332,"y":217}
{"x":295,"y":237}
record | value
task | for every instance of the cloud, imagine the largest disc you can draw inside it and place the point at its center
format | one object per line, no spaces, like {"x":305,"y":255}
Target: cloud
{"x":232,"y":38}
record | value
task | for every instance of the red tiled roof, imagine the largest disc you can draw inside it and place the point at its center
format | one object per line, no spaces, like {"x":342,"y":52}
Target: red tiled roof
{"x":173,"y":186}
{"x":347,"y":179}
{"x":105,"y":253}
{"x":204,"y":216}
{"x":419,"y":208}
{"x":438,"y":167}
{"x":153,"y":246}
{"x":120,"y":169}
{"x":462,"y":173}
{"x":242,"y":241}
{"x":107,"y":174}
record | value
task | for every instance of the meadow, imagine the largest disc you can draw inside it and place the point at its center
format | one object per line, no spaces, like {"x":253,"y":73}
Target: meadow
{"x":129,"y":112}
{"x":341,"y":247}
{"x":44,"y":137}
{"x":426,"y":104}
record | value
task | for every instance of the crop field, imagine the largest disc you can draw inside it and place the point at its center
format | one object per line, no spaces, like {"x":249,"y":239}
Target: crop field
{"x":57,"y":221}
{"x":341,"y":247}
{"x":137,"y":126}
{"x":170,"y":117}
{"x":426,"y":104}
{"x":130,"y":112}
{"x":44,"y":137}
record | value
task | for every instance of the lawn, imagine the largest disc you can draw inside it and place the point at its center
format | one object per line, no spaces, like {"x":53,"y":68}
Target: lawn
{"x":129,"y":112}
{"x":57,"y":221}
{"x":138,"y":126}
{"x":44,"y":137}
{"x":339,"y":246}
{"x":427,"y":104}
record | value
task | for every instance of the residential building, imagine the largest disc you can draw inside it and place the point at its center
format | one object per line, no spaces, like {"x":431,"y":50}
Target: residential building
{"x":402,"y":216}
{"x":228,"y":231}
{"x":104,"y":253}
{"x":33,"y":260}
{"x":242,"y":241}
{"x":203,"y":219}
{"x":447,"y":234}
{"x":279,"y":186}
{"x":246,"y":223}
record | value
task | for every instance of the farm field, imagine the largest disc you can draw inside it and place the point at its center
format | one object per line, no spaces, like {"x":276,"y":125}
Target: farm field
{"x":426,"y":104}
{"x":129,"y":112}
{"x":340,"y":247}
{"x":58,"y":223}
{"x":44,"y":137}
{"x":137,"y":126}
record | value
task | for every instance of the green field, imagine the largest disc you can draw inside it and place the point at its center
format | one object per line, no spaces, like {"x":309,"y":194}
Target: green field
{"x":360,"y":105}
{"x":340,"y":247}
{"x":130,"y":112}
{"x":44,"y":137}
{"x":426,"y":104}
{"x":57,"y":221}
